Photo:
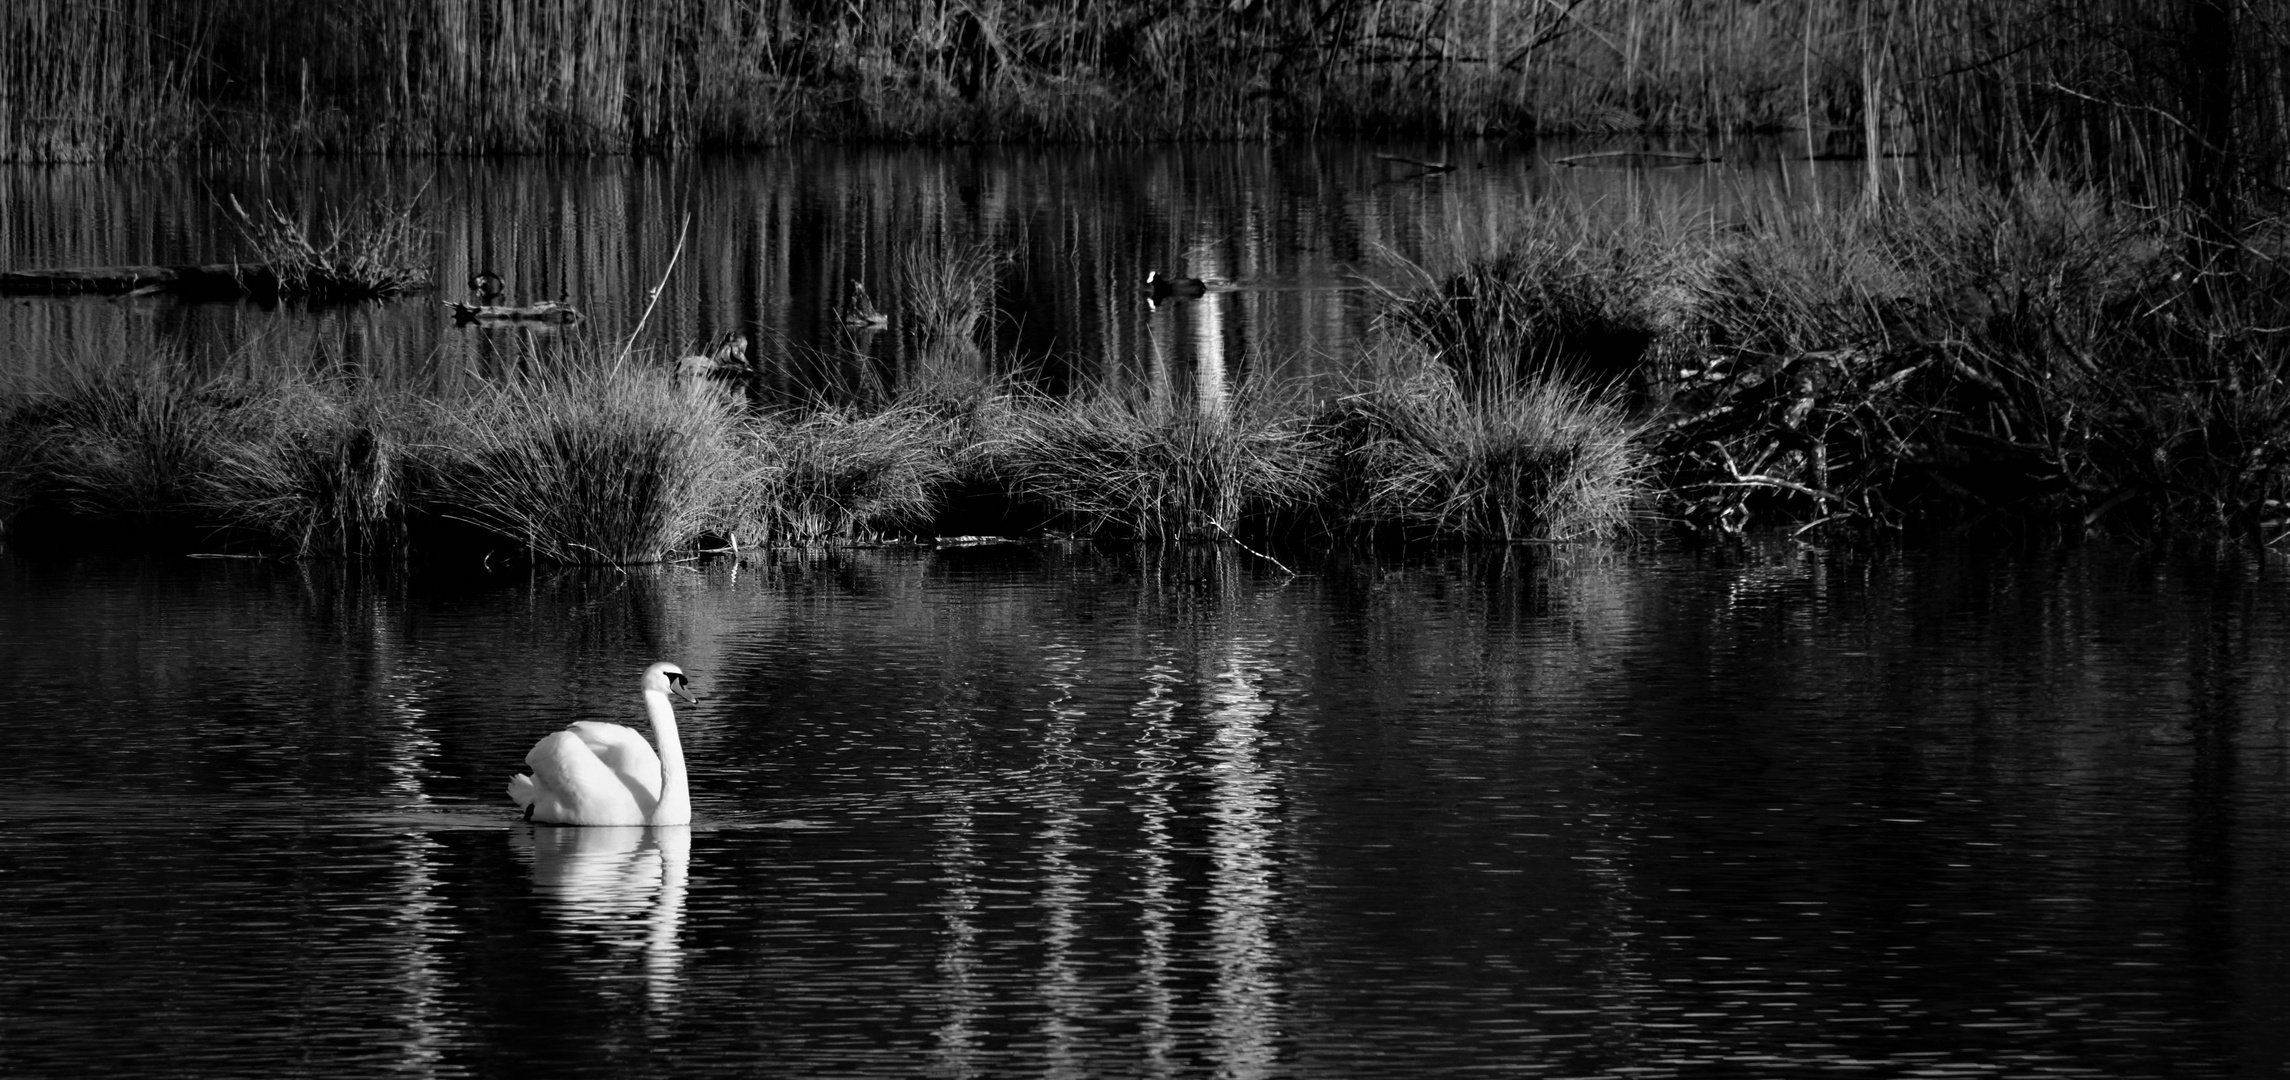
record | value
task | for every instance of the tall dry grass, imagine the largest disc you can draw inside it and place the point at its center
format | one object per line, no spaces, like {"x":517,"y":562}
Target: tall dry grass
{"x":1123,"y":464}
{"x":834,"y":476}
{"x":127,"y":444}
{"x":363,"y":251}
{"x":2034,"y":360}
{"x":1533,"y":456}
{"x":319,"y":466}
{"x":2105,"y":91}
{"x":608,"y":464}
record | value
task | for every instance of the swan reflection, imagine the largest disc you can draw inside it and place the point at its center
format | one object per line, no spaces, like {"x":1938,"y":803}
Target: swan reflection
{"x":620,"y":885}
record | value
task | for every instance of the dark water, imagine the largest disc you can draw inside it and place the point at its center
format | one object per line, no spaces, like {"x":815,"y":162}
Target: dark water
{"x":768,"y":245}
{"x":994,"y":812}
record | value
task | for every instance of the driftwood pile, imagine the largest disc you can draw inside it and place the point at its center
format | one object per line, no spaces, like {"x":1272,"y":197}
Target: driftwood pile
{"x":1901,"y":429}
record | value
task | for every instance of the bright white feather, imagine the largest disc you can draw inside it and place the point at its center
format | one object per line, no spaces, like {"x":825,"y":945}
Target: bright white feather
{"x":594,"y":773}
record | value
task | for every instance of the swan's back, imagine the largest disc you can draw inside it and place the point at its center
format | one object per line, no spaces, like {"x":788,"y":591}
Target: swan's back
{"x":625,"y":752}
{"x":571,"y":785}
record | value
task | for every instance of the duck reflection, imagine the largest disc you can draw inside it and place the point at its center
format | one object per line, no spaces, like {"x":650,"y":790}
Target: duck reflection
{"x":619,"y":885}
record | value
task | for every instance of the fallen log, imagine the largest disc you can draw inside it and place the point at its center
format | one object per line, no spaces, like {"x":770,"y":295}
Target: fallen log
{"x":1626,"y":159}
{"x":216,"y":281}
{"x":219,"y":281}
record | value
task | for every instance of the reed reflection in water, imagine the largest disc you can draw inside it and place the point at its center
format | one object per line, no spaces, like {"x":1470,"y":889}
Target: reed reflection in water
{"x":1048,"y":812}
{"x":781,"y":242}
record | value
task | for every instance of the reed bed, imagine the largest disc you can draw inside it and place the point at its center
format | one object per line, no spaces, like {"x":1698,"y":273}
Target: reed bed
{"x":2028,"y":360}
{"x":2100,"y":91}
{"x":2040,"y":360}
{"x":1588,"y":297}
{"x":615,"y":463}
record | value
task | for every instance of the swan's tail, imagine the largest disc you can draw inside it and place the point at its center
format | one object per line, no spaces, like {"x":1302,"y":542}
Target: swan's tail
{"x":524,"y":790}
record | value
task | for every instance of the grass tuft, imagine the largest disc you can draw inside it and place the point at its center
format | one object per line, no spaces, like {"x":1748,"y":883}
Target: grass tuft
{"x":1145,"y":467}
{"x":1522,"y":458}
{"x":614,"y":464}
{"x":369,"y":252}
{"x":320,"y":467}
{"x":133,"y":443}
{"x":834,"y":475}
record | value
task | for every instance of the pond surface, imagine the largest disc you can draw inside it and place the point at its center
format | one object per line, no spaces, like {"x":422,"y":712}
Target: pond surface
{"x":998,"y":811}
{"x":1014,"y":812}
{"x":768,"y":246}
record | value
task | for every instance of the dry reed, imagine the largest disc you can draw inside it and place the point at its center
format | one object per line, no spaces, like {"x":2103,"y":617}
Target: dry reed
{"x":320,"y":467}
{"x":2029,"y":86}
{"x":1524,"y":457}
{"x":608,"y":464}
{"x":833,"y":476}
{"x":1132,"y":465}
{"x":367,"y":251}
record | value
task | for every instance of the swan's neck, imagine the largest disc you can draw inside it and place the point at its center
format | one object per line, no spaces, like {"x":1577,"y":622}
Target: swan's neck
{"x":675,"y":795}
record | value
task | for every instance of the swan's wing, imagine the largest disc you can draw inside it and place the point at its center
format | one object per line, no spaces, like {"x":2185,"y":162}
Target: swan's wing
{"x":571,"y":785}
{"x":626,"y":753}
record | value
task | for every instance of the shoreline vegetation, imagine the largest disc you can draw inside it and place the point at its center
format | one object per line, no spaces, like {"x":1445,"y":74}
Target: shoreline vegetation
{"x":2070,"y":315}
{"x":611,"y":461}
{"x":2108,"y":86}
{"x":2038,"y":363}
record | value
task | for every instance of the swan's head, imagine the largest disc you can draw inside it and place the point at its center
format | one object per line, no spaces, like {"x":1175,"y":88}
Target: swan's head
{"x":667,"y":678}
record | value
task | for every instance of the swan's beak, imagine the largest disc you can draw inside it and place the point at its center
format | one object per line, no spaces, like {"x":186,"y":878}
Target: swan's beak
{"x":678,"y":687}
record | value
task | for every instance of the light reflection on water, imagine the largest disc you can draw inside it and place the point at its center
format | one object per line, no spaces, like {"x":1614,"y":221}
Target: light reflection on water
{"x":967,"y":814}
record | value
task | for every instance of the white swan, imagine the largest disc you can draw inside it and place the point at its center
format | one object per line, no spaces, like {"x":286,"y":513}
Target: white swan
{"x":595,"y":773}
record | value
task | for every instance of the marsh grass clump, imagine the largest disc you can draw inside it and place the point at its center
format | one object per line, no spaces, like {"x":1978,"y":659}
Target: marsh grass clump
{"x":371,"y":251}
{"x":1545,"y":304}
{"x":125,"y":445}
{"x":320,"y":467}
{"x":834,"y":475}
{"x":2183,"y":426}
{"x":1528,"y":457}
{"x":2026,"y":360}
{"x":947,"y":295}
{"x":611,"y":464}
{"x":1143,"y":466}
{"x":1878,"y":370}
